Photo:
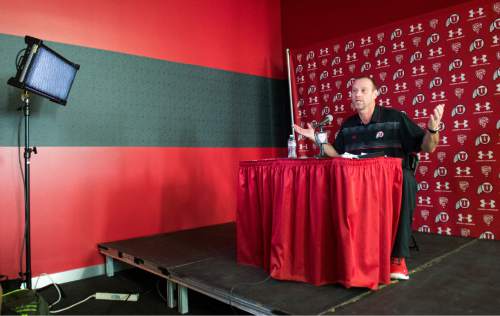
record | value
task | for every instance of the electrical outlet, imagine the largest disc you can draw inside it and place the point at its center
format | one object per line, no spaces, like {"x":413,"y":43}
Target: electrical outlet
{"x":117,"y":297}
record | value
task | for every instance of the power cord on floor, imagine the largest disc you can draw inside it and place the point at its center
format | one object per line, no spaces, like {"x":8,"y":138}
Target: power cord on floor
{"x":58,"y":289}
{"x":71,"y":306}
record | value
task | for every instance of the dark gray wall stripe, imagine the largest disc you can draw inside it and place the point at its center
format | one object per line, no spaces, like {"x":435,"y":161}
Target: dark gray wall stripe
{"x":124,"y":100}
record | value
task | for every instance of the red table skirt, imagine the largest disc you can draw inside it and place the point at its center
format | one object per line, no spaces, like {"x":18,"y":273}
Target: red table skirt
{"x":320,"y":220}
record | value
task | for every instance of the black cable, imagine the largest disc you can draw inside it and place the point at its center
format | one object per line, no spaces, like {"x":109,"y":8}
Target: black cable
{"x":19,"y":58}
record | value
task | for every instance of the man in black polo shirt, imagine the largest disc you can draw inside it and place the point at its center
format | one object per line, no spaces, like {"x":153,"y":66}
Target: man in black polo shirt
{"x":376,"y":129}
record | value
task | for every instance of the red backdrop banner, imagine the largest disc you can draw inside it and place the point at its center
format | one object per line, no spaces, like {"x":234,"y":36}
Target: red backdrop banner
{"x":448,"y":57}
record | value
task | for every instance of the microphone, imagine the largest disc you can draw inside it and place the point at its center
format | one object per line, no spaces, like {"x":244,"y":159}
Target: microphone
{"x":327,"y":120}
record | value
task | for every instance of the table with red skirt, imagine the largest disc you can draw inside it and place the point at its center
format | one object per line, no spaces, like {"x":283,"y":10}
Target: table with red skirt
{"x":320,"y":221}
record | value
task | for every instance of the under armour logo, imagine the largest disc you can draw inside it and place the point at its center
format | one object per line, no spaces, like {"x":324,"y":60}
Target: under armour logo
{"x":311,"y":66}
{"x":461,"y":124}
{"x":480,"y":60}
{"x":398,"y":46}
{"x":337,"y":72}
{"x":366,"y":41}
{"x":422,"y":113}
{"x":351,"y":57}
{"x":433,"y":53}
{"x":384,"y":102}
{"x":462,"y":218}
{"x":325,"y":86}
{"x":400,"y":87}
{"x":485,"y":155}
{"x":441,"y":96}
{"x":495,"y":39}
{"x":442,"y":186}
{"x":382,"y":63}
{"x":324,"y":51}
{"x":339,"y":108}
{"x":416,"y":28}
{"x":418,"y":70}
{"x":300,"y":79}
{"x":485,"y":203}
{"x":476,"y":14}
{"x":423,"y":156}
{"x":460,"y":78}
{"x":455,"y":34}
{"x":313,"y":100}
{"x":459,"y":171}
{"x":442,"y":231}
{"x":422,"y":200}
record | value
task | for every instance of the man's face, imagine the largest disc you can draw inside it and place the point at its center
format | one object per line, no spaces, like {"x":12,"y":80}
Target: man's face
{"x":363,"y":94}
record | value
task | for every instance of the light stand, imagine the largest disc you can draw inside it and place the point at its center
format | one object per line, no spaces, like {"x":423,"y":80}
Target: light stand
{"x":44,"y":72}
{"x":25,"y":97}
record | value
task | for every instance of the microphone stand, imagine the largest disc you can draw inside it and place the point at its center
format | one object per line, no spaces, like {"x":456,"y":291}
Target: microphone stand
{"x":320,"y":140}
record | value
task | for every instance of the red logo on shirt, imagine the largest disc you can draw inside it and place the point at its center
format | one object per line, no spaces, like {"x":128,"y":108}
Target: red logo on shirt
{"x":380,"y":134}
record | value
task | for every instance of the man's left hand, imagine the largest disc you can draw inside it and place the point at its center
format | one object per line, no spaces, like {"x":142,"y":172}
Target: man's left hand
{"x":435,"y":118}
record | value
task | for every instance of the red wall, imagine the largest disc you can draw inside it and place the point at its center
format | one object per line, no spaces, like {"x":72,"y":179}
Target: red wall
{"x":239,"y":36}
{"x":85,"y":195}
{"x":308,"y":22}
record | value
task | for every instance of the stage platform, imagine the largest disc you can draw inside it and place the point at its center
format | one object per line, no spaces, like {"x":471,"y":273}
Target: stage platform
{"x":449,"y":275}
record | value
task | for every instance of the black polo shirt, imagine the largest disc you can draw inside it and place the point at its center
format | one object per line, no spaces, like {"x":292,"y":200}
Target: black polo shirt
{"x":389,"y":131}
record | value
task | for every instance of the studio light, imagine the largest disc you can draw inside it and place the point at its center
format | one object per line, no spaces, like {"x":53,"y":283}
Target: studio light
{"x":42,"y":71}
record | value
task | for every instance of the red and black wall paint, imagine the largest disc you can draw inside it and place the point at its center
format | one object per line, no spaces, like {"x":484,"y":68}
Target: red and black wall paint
{"x":170,"y":96}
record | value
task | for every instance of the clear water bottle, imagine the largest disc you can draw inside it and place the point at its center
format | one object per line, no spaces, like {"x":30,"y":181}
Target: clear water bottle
{"x":292,"y":147}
